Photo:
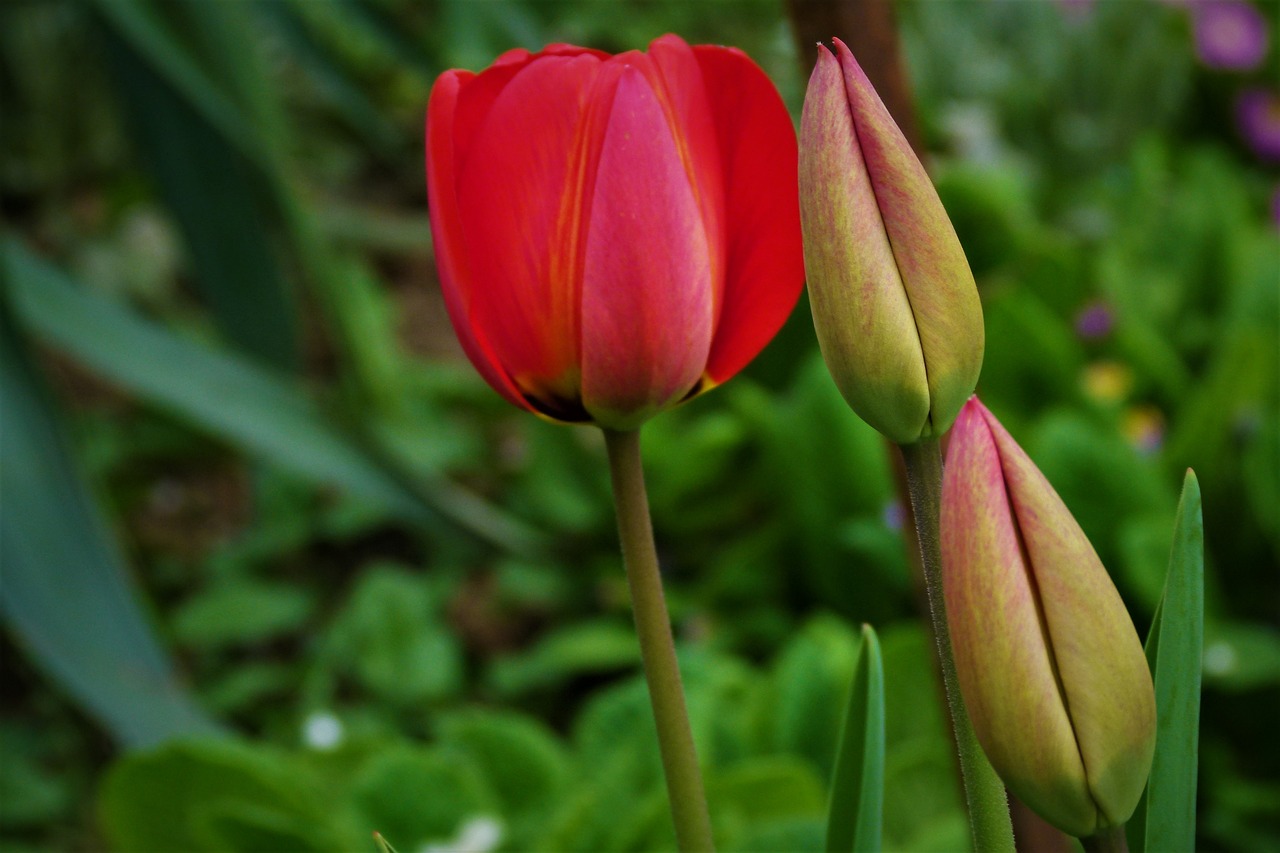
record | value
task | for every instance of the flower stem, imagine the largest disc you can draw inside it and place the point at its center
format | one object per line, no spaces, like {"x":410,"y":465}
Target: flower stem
{"x":657,"y":648}
{"x":984,"y":792}
{"x":1107,"y":841}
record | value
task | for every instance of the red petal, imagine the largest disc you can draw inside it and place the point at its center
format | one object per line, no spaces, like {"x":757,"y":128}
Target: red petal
{"x":518,"y":199}
{"x":680,"y":87}
{"x":646,"y":291}
{"x":765,"y":265}
{"x":446,"y":232}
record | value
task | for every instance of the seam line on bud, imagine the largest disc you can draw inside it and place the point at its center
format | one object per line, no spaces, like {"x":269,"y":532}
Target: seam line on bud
{"x":1047,"y":634}
{"x":857,"y":136}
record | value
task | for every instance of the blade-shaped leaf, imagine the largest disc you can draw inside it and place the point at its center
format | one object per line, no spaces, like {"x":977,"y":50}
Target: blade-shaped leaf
{"x":66,"y":592}
{"x":232,"y":398}
{"x":857,"y":786}
{"x":218,"y":197}
{"x":1165,"y":820}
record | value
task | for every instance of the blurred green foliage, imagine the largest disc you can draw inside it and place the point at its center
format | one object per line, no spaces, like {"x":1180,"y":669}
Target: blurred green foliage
{"x":400,"y":599}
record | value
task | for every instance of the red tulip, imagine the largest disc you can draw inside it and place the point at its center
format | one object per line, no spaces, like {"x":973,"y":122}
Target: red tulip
{"x":614,"y":234}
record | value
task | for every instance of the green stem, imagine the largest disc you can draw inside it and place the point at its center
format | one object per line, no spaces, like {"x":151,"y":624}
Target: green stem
{"x":1108,"y":841}
{"x":983,"y":790}
{"x":657,"y":648}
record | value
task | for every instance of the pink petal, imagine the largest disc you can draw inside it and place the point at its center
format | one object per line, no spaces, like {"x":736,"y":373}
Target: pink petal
{"x":646,"y":289}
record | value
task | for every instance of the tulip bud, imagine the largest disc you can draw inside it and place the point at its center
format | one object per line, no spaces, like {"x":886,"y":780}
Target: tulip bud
{"x":1049,"y":663}
{"x":894,"y":301}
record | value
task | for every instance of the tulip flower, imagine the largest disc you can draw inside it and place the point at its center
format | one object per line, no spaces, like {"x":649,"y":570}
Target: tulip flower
{"x":614,"y":234}
{"x":1049,"y":663}
{"x":894,"y":301}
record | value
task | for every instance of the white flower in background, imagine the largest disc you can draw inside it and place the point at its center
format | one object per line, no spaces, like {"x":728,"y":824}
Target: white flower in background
{"x":479,"y":834}
{"x":322,"y":731}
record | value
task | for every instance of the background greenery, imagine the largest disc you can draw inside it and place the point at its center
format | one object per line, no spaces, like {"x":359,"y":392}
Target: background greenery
{"x":279,"y":570}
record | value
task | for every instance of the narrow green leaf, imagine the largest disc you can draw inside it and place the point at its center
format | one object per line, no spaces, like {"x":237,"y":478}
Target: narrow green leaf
{"x":137,"y":24}
{"x":332,"y":81}
{"x":232,"y":398}
{"x":856,"y":811}
{"x":384,"y":846}
{"x":219,"y":199}
{"x":1165,"y":821}
{"x":67,"y":594}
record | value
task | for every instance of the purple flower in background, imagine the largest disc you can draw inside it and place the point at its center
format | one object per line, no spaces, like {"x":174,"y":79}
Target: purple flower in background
{"x":1230,"y":34}
{"x":1076,"y":8}
{"x":1258,"y":116}
{"x":894,"y":515}
{"x":1094,"y":321}
{"x":1144,"y":427}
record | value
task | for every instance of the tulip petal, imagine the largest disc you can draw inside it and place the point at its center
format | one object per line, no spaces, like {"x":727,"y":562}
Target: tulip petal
{"x":764,"y":262}
{"x":646,"y":288}
{"x":1105,"y":678}
{"x":927,"y":251}
{"x":1004,"y":660}
{"x":863,"y":304}
{"x":446,"y":232}
{"x":679,"y":83}
{"x":516,"y":194}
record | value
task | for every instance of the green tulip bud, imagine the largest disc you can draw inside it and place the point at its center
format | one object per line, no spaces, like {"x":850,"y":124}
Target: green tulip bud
{"x":894,"y":302}
{"x":1049,"y":663}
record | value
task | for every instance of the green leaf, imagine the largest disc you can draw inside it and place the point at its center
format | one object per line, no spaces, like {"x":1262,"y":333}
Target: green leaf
{"x":1165,"y":820}
{"x":230,"y":397}
{"x":418,"y":795}
{"x":138,"y":25}
{"x":216,"y":196}
{"x":588,"y":647}
{"x":66,"y":592}
{"x":242,"y":611}
{"x":802,"y":709}
{"x":762,"y":792}
{"x":856,"y":813}
{"x":393,"y":639}
{"x":217,"y":796}
{"x":524,"y":763}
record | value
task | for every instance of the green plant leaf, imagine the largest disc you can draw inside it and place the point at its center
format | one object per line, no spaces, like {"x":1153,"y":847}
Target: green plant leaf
{"x":523,"y":762}
{"x":241,"y":611}
{"x":228,"y":396}
{"x":810,"y":681}
{"x":1165,"y":820}
{"x":216,"y":197}
{"x":587,"y":647}
{"x":420,"y":795}
{"x":393,"y":639}
{"x":856,"y":813}
{"x":218,"y":796}
{"x":66,"y":592}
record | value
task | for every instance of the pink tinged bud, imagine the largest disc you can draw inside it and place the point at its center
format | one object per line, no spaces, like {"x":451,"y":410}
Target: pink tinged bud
{"x":1049,"y":663}
{"x":894,"y":302}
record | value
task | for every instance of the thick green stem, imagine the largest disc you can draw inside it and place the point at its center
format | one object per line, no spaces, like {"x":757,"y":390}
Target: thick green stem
{"x":1108,"y":841}
{"x":983,"y":790}
{"x":657,"y":648}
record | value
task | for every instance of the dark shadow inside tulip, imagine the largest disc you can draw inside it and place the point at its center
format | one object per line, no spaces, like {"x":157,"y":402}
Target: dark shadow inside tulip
{"x":697,"y":389}
{"x":559,"y":408}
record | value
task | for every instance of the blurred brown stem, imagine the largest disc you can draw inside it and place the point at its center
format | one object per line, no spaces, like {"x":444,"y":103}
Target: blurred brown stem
{"x":1108,"y":841}
{"x":870,"y":29}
